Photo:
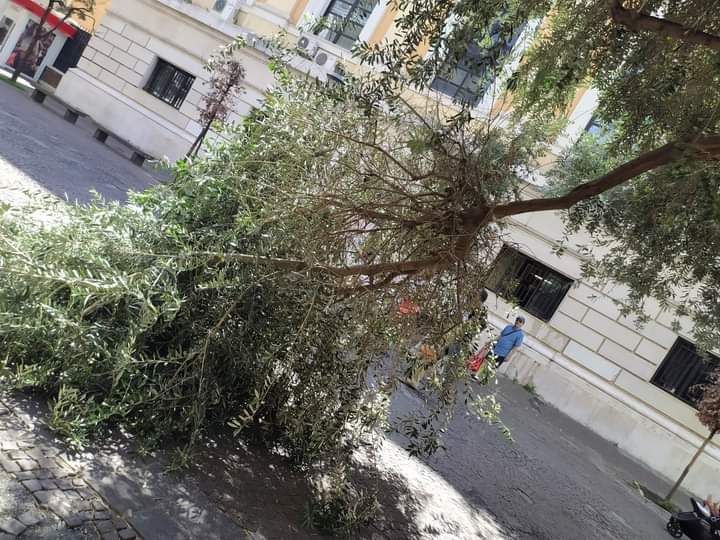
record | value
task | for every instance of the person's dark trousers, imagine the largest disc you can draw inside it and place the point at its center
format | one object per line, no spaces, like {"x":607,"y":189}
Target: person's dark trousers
{"x":499,"y":361}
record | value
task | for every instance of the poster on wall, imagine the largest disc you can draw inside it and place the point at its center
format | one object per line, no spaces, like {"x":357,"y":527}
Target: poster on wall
{"x":29,"y":59}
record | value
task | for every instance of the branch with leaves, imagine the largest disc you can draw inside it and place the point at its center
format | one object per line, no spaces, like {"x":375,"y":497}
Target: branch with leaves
{"x":638,"y":21}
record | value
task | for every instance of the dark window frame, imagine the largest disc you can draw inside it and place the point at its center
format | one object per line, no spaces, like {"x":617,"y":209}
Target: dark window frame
{"x":342,"y":30}
{"x":683,"y":369}
{"x":594,"y":126}
{"x":517,"y":276}
{"x":72,"y":51}
{"x":169,"y":83}
{"x":467,"y":82}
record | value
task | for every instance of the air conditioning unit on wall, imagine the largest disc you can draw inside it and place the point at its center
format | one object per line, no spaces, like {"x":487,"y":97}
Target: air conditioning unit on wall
{"x":307,"y":46}
{"x":325,"y":60}
{"x":331,"y":66}
{"x":323,"y":64}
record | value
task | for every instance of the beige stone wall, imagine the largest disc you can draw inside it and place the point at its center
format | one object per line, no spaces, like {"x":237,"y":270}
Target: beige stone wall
{"x":596,"y":365}
{"x":121,"y":56}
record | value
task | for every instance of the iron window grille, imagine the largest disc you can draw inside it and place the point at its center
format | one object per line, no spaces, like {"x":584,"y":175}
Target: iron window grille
{"x":169,"y":83}
{"x":466,"y":80}
{"x":683,"y":370}
{"x":536,"y":288}
{"x":345,"y":20}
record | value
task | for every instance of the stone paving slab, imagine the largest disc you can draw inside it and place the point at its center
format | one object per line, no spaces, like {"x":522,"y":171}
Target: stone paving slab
{"x":159,"y":506}
{"x":40,"y":153}
{"x":43,"y":496}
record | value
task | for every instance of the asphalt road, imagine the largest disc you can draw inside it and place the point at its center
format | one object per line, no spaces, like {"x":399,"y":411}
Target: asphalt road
{"x":556,"y":481}
{"x":40,"y":150}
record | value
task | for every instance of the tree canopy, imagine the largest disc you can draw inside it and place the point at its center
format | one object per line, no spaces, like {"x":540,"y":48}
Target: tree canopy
{"x":653,"y":198}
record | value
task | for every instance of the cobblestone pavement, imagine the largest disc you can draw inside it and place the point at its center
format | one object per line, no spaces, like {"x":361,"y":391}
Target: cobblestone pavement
{"x":43,"y":496}
{"x":39,"y":150}
{"x":135,"y":493}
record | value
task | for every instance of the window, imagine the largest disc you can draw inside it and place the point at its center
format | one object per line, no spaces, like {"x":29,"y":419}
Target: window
{"x":594,"y":126}
{"x":467,"y":80}
{"x":346,"y":20}
{"x":219,"y":5}
{"x":599,"y":130}
{"x":169,"y":83}
{"x":536,"y":288}
{"x":6,"y":26}
{"x":683,"y":369}
{"x":72,"y":51}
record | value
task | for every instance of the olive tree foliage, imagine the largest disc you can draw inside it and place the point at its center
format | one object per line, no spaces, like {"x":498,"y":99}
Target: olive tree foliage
{"x":248,"y":290}
{"x":655,"y":65}
{"x":648,"y":190}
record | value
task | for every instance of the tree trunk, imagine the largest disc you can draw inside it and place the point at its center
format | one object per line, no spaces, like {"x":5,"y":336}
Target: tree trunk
{"x":642,"y":22}
{"x":689,"y":465}
{"x":195,"y":148}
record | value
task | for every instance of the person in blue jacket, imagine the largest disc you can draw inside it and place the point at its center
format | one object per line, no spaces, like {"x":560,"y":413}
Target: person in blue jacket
{"x":510,"y":338}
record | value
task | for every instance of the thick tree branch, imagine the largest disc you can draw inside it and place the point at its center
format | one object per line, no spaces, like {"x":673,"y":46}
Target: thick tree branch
{"x":403,"y":267}
{"x":701,"y":148}
{"x":475,"y":218}
{"x":297,"y":265}
{"x":638,"y":21}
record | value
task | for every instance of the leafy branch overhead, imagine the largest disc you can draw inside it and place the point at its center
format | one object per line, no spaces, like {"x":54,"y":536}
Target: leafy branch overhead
{"x":656,"y":78}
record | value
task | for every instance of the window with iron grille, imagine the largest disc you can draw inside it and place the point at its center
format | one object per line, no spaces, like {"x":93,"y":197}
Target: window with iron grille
{"x":535,"y":287}
{"x":467,"y":80}
{"x":346,"y":20}
{"x":683,"y":370}
{"x":169,"y":83}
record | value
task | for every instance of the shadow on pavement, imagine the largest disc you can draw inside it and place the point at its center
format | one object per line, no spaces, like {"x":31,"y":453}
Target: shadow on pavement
{"x":237,"y":490}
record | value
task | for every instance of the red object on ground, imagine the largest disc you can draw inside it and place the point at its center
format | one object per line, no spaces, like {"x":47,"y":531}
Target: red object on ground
{"x":52,"y":20}
{"x":408,"y":307}
{"x":476,"y":361}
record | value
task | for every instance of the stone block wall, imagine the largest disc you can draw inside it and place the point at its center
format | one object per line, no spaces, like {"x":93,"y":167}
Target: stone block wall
{"x":588,"y":344}
{"x":123,"y":55}
{"x":119,"y":61}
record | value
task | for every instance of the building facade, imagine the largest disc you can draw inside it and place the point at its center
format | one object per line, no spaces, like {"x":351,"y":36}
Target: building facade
{"x":55,"y":52}
{"x":141,"y":78}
